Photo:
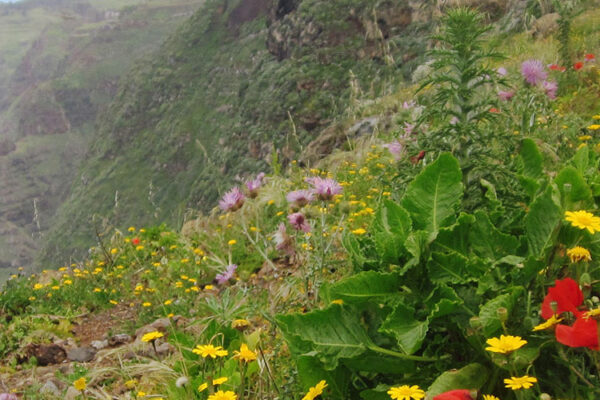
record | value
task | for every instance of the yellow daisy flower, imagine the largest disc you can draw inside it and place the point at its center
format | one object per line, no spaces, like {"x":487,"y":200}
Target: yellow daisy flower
{"x":548,"y":324}
{"x":490,"y":397}
{"x":583,"y":220}
{"x":210,"y":351}
{"x":579,"y":253}
{"x":80,"y":384}
{"x":220,"y":381}
{"x":505,"y":344}
{"x":406,"y":392}
{"x":221,"y":395}
{"x":523,"y":382}
{"x":315,"y":391}
{"x":245,"y":354}
{"x":203,"y":387}
{"x":152,"y":336}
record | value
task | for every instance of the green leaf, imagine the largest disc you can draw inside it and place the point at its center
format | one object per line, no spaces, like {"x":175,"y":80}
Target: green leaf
{"x":489,"y":242}
{"x":473,"y":376}
{"x":357,"y":253}
{"x":330,"y":334}
{"x":541,"y":222}
{"x":453,"y":267}
{"x":581,"y":160}
{"x":379,"y":393}
{"x":442,"y":301}
{"x":456,"y":237}
{"x":311,"y":372}
{"x":416,"y":244}
{"x":488,"y":314}
{"x":435,"y":194}
{"x":408,"y":331}
{"x":532,"y":160}
{"x":390,"y":228}
{"x":365,"y":286}
{"x":376,"y":362}
{"x":572,"y":187}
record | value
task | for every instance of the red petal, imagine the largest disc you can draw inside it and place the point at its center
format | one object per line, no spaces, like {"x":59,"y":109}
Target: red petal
{"x":583,"y":333}
{"x":458,"y":394}
{"x":566,"y":294}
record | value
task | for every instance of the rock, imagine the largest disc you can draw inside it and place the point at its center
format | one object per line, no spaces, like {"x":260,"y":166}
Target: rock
{"x":72,"y":393}
{"x":66,"y":369}
{"x":81,"y":354}
{"x":120,"y":339}
{"x":45,"y":354}
{"x":50,"y":388}
{"x":160,"y":324}
{"x":164,"y":349}
{"x":363,"y":127}
{"x":99,"y":344}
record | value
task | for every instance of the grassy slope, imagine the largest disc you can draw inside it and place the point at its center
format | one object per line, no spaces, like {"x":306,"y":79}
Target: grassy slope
{"x":210,"y":106}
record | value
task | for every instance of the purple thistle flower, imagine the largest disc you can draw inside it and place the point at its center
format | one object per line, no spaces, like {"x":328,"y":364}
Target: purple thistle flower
{"x":300,"y":197}
{"x":298,"y":221}
{"x":506,"y":95}
{"x":395,"y":148}
{"x":550,"y":87}
{"x":502,"y":71}
{"x":409,"y":128}
{"x":232,"y":200}
{"x":224,"y":277}
{"x":407,"y":105}
{"x":255,"y":184}
{"x":533,"y":71}
{"x":8,"y":396}
{"x":326,"y":188}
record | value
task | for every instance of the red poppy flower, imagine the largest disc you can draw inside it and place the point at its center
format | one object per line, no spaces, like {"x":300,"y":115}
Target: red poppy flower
{"x":555,"y":67}
{"x":583,"y":333}
{"x":589,"y":57}
{"x":578,"y":65}
{"x":459,"y":394}
{"x":494,"y":110}
{"x":418,"y":157}
{"x":135,"y":241}
{"x":565,"y":295}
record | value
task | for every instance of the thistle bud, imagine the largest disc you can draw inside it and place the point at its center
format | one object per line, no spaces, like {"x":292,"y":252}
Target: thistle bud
{"x":502,"y":313}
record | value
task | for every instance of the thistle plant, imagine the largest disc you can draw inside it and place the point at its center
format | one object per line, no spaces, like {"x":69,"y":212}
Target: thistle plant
{"x":461,"y":81}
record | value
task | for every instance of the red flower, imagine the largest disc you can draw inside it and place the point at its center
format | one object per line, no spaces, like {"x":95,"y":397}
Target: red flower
{"x":418,"y":157}
{"x":135,"y":241}
{"x":589,"y":57}
{"x":583,"y":333}
{"x":494,"y":110}
{"x":555,"y":67}
{"x":578,"y":65}
{"x":565,"y":295}
{"x":458,"y":394}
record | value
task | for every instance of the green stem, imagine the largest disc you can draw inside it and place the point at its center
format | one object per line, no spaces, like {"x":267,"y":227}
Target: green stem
{"x":392,"y":353}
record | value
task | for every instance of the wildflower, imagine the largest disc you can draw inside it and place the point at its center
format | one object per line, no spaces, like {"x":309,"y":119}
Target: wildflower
{"x":8,"y":396}
{"x":592,"y":313}
{"x":221,"y":395}
{"x":395,"y":148}
{"x":490,"y":397}
{"x":152,"y":336}
{"x":135,"y":241}
{"x":298,"y":221}
{"x":337,"y":301}
{"x":553,"y":320}
{"x":594,"y":127}
{"x":240,"y":323}
{"x":80,"y":384}
{"x":315,"y":391}
{"x":523,"y":382}
{"x":533,"y":71}
{"x":220,"y":381}
{"x":579,"y":253}
{"x":226,"y":275}
{"x":418,"y":157}
{"x":325,"y":188}
{"x":501,"y":71}
{"x":583,"y":333}
{"x":182,"y":381}
{"x":555,"y":67}
{"x":245,"y":354}
{"x":583,"y":220}
{"x":506,"y":95}
{"x":38,"y":286}
{"x":300,"y":198}
{"x":550,"y":87}
{"x":505,"y":344}
{"x":210,"y":351}
{"x":565,"y":296}
{"x":406,"y":392}
{"x":578,"y":65}
{"x":255,"y":184}
{"x":457,"y":394}
{"x":232,"y":200}
{"x":146,"y":304}
{"x":584,"y":138}
{"x":589,"y":57}
{"x":203,"y":387}
{"x":408,"y":128}
{"x":359,"y":231}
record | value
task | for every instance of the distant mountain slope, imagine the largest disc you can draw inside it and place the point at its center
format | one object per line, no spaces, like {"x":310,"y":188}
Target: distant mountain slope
{"x":60,"y":64}
{"x":239,"y":81}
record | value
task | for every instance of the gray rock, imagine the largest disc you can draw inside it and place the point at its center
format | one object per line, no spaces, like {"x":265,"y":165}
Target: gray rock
{"x":119,"y":339}
{"x":99,"y":344}
{"x":50,"y":388}
{"x":81,"y":354}
{"x":364,"y":127}
{"x":72,"y":393}
{"x":164,"y":349}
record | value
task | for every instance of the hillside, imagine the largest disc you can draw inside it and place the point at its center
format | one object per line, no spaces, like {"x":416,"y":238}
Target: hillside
{"x":60,"y":64}
{"x":240,"y":83}
{"x":448,"y":253}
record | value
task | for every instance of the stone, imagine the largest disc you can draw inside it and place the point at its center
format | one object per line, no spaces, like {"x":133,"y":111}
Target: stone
{"x":72,"y":393}
{"x":81,"y":354}
{"x":165,"y":349}
{"x":99,"y":344}
{"x":45,"y":354}
{"x":50,"y":388}
{"x":119,"y":339}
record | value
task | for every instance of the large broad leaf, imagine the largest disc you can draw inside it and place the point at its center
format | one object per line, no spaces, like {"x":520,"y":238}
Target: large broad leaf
{"x":473,"y":376}
{"x":532,"y":160}
{"x":379,"y":393}
{"x":455,"y":237}
{"x":390,"y":227}
{"x":311,"y":372}
{"x":376,"y":362}
{"x":408,"y":331}
{"x":365,"y":286}
{"x":330,"y":335}
{"x":416,"y":245}
{"x":489,"y":315}
{"x":489,"y":242}
{"x":435,"y":194}
{"x":573,"y":187}
{"x":541,"y":222}
{"x":581,"y":160}
{"x":455,"y":268}
{"x":359,"y":254}
{"x":443,"y":301}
